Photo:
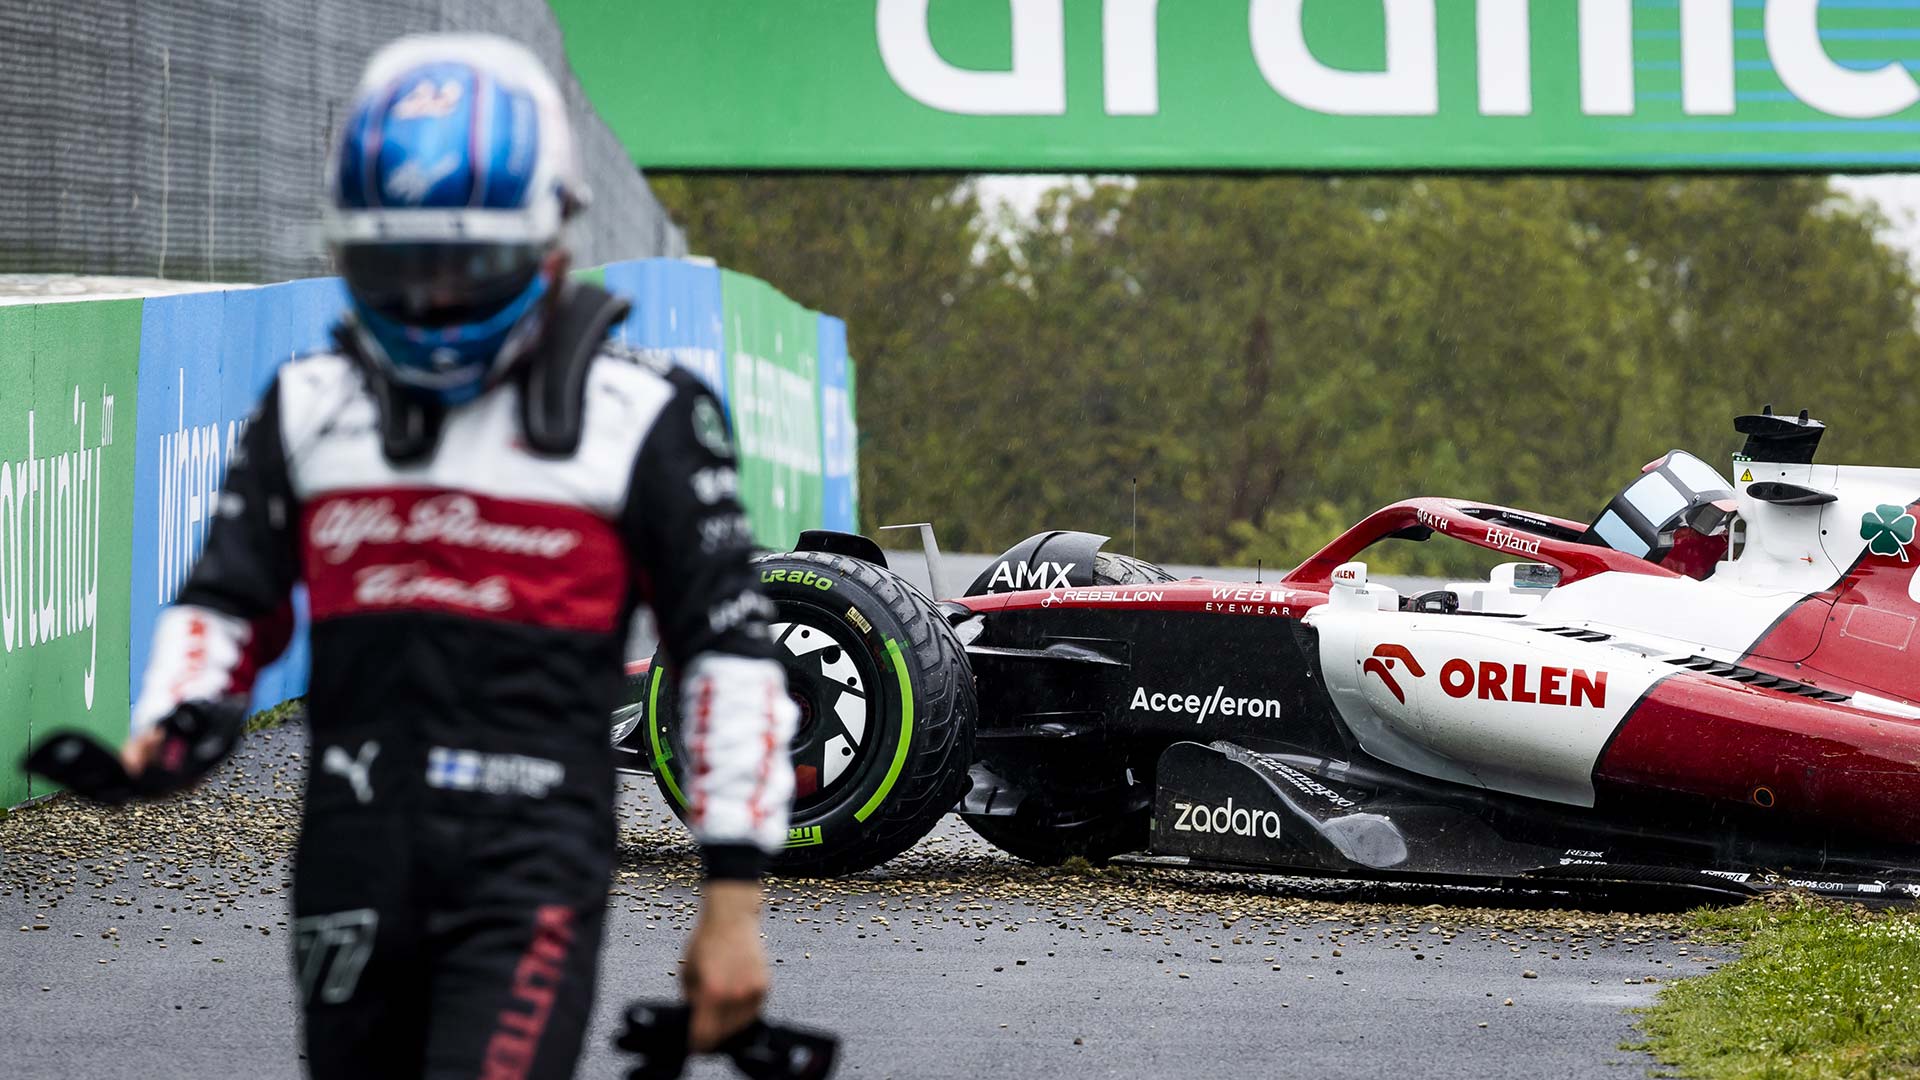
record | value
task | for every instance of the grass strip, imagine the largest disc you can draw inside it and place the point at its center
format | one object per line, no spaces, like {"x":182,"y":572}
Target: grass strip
{"x":1821,"y":990}
{"x":289,"y":710}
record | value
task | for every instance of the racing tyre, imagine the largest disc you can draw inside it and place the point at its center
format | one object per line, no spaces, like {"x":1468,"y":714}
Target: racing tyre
{"x":887,"y":708}
{"x":1056,"y":824}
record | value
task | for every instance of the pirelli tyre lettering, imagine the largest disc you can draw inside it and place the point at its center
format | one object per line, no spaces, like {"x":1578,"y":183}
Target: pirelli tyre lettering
{"x":810,"y":578}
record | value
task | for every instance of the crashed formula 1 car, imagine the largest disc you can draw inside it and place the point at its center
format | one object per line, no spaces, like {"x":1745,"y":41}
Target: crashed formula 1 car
{"x":1714,"y":685}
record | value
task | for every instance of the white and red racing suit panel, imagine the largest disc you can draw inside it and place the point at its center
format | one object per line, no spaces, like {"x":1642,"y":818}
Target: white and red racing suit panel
{"x":477,"y":601}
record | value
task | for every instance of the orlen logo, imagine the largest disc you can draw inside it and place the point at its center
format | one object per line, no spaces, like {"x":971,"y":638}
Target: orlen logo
{"x":1491,"y":680}
{"x":1381,"y":664}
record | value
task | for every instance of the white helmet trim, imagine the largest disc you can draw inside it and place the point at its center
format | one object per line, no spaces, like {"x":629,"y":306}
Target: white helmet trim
{"x":556,"y":188}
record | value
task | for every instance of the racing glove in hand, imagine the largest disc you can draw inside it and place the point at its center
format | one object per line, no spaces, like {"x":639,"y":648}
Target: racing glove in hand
{"x":194,"y":739}
{"x":658,"y":1032}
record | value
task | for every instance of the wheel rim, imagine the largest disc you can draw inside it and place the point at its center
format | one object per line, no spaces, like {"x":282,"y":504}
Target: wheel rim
{"x":625,"y":719}
{"x":834,"y":683}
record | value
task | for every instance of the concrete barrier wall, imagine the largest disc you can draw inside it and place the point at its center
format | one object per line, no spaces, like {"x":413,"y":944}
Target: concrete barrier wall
{"x":118,"y":418}
{"x":186,"y":139}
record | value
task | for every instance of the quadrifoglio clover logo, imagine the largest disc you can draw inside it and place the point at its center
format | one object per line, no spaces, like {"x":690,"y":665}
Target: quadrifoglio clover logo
{"x":1887,"y":530}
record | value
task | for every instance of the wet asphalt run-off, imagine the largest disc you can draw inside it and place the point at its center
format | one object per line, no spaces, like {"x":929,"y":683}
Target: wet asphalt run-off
{"x":153,"y":943}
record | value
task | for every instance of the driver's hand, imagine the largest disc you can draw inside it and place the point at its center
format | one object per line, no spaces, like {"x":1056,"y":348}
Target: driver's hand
{"x":725,"y":976}
{"x":140,"y":750}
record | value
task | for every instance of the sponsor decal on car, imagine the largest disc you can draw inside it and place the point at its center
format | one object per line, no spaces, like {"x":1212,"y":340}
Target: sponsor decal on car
{"x":1380,"y":665}
{"x":1107,"y":595}
{"x":1304,"y":783}
{"x":1227,"y":819}
{"x":1202,"y":706}
{"x":1491,"y":680}
{"x":1813,"y":885}
{"x":1432,"y":520}
{"x":1888,"y":530}
{"x":1255,"y":601}
{"x":1018,"y":576}
{"x":1512,"y":541}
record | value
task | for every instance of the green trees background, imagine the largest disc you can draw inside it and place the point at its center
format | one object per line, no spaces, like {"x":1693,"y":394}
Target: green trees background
{"x":1274,"y":356}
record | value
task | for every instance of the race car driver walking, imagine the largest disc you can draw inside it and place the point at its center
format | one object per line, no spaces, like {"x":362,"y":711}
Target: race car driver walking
{"x":477,"y":491}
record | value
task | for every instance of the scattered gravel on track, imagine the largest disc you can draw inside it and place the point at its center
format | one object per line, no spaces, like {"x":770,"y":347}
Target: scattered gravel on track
{"x":226,"y":845}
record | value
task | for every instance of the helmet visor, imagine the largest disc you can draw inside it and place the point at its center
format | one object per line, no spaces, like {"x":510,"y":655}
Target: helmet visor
{"x":438,"y":284}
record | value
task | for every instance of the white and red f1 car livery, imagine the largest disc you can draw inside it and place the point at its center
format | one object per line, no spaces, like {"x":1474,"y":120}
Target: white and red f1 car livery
{"x":1714,"y":684}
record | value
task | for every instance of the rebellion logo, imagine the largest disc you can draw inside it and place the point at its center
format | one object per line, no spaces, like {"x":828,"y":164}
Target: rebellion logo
{"x":1491,"y":680}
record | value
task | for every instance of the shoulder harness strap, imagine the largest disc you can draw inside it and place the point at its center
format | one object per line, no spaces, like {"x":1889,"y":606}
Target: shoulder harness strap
{"x":409,"y":424}
{"x":554,"y":378}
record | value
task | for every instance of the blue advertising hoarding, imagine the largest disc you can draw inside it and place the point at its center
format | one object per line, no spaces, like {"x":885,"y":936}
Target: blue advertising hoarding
{"x":839,"y":440}
{"x":205,"y":358}
{"x":676,"y":313}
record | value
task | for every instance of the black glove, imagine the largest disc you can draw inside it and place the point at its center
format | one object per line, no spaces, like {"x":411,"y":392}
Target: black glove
{"x":195,"y":739}
{"x":658,"y":1033}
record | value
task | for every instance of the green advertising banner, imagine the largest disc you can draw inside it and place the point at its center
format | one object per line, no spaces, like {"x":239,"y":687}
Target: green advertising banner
{"x":67,"y":386}
{"x":773,"y":387}
{"x":1115,"y":85}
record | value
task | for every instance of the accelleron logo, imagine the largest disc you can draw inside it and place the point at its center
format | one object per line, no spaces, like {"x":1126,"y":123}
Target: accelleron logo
{"x":1202,"y":706}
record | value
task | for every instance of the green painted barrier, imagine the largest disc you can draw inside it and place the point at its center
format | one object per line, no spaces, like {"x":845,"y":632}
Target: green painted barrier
{"x":67,"y":384}
{"x":1316,"y":85}
{"x":75,"y":493}
{"x":773,"y":380}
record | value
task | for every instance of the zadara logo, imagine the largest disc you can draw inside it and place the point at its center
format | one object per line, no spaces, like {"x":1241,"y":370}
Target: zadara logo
{"x":1491,"y":680}
{"x":1228,"y":819}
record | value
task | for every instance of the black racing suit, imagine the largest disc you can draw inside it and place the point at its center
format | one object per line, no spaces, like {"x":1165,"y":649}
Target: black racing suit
{"x":469,"y":621}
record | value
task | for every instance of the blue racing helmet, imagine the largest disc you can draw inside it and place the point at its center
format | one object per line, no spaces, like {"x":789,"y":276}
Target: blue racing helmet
{"x":449,"y":189}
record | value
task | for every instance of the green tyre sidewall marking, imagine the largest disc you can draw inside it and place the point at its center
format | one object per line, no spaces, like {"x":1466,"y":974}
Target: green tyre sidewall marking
{"x":660,"y":750}
{"x":905,"y":741}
